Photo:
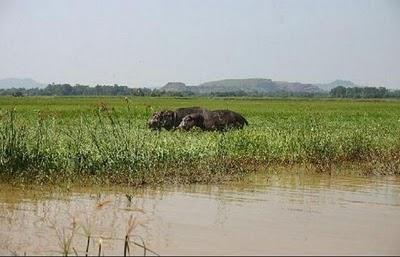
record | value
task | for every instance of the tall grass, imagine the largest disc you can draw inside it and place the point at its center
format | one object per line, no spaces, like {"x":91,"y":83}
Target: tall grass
{"x":106,"y":144}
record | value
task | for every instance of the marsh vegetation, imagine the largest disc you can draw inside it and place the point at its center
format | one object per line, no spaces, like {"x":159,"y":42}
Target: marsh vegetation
{"x":106,"y":139}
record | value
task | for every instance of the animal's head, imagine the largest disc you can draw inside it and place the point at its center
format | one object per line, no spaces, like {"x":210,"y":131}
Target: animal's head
{"x":155,"y":121}
{"x":162,"y":119}
{"x":191,"y":120}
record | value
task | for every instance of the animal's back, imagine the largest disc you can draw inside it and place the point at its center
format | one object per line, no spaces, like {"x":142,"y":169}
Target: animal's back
{"x":231,"y":116}
{"x":182,"y":112}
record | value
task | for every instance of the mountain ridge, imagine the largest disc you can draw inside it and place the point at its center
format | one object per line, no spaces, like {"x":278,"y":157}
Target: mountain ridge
{"x":248,"y":85}
{"x":20,"y":83}
{"x":336,"y":83}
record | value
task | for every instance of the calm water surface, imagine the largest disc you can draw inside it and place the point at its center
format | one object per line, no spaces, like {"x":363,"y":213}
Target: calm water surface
{"x":274,"y":214}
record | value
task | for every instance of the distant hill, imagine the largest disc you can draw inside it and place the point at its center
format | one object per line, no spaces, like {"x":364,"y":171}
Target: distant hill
{"x":336,"y":83}
{"x":175,"y":87}
{"x":251,"y":85}
{"x":19,"y":83}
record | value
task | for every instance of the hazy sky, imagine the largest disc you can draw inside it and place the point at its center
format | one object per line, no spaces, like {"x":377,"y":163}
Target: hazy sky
{"x":148,"y":43}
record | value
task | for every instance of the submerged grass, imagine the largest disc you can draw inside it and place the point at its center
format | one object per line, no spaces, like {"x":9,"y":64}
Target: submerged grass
{"x":105,"y":140}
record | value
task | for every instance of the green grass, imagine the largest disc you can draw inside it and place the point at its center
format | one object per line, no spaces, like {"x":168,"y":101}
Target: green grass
{"x":105,"y":139}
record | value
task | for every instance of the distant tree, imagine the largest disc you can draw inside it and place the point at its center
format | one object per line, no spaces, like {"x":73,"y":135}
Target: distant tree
{"x":339,"y":91}
{"x":17,"y":94}
{"x":360,"y":92}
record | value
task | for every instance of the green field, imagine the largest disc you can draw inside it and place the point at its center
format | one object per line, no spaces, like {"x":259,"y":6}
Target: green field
{"x":105,"y":139}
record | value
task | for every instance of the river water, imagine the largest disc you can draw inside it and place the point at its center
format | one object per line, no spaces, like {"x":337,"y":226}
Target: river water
{"x":288,"y":213}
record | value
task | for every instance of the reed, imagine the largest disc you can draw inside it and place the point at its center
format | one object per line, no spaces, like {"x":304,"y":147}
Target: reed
{"x":109,"y":142}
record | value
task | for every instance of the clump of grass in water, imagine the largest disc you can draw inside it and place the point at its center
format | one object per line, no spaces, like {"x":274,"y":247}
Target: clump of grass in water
{"x":66,"y":236}
{"x":65,"y":240}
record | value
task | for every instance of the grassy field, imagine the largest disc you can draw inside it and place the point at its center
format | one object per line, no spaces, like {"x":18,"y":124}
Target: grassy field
{"x":105,"y":139}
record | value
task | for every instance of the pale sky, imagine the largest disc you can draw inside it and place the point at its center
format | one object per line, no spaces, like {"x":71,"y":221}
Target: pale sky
{"x":148,"y":43}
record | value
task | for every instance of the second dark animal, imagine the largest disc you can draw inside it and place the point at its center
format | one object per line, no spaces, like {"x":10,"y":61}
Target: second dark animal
{"x":220,"y":120}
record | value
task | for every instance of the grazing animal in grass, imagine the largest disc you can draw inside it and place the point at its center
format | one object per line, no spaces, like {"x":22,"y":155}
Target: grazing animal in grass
{"x":171,"y":119}
{"x":220,"y":120}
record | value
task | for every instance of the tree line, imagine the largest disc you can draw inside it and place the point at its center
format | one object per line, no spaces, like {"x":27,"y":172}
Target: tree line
{"x":82,"y":90}
{"x":364,"y":92}
{"x":116,"y":90}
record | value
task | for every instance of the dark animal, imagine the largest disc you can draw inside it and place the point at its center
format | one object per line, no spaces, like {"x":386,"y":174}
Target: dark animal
{"x":171,"y":119}
{"x":220,"y":120}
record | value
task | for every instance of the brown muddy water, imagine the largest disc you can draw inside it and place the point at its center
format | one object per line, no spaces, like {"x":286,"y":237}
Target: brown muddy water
{"x":266,"y":214}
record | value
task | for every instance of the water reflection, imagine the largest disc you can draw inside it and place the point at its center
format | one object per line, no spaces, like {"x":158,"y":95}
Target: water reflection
{"x":289,"y":213}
